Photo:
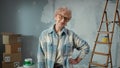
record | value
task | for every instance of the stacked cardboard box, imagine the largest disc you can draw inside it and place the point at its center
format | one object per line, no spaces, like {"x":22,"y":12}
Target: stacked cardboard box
{"x":1,"y":54}
{"x":12,"y":53}
{"x":10,"y":64}
{"x":2,"y":49}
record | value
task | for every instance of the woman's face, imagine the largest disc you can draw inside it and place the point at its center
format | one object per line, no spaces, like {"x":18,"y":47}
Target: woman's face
{"x":61,"y":20}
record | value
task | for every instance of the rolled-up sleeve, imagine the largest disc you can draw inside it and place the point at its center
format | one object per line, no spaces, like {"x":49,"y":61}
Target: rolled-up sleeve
{"x":40,"y":53}
{"x":81,"y":45}
{"x":40,"y":58}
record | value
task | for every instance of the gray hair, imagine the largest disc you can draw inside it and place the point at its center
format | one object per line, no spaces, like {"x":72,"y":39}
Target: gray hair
{"x":64,"y":10}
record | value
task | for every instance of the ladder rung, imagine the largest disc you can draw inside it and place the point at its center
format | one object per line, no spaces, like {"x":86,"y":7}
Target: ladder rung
{"x":112,"y":21}
{"x":103,"y":42}
{"x":96,"y":64}
{"x":100,"y":53}
{"x":104,"y":32}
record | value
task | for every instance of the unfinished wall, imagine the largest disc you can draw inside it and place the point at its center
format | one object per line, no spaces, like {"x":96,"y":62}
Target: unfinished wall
{"x":30,"y":18}
{"x":85,"y":21}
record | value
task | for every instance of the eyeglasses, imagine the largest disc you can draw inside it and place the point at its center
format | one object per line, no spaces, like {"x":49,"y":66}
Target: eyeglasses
{"x":63,"y":17}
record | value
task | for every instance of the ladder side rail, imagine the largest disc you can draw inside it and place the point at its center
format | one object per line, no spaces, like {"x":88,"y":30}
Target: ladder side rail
{"x":116,"y":12}
{"x":96,"y":40}
{"x":107,"y":29}
{"x":98,"y":32}
{"x":118,"y":17}
{"x":103,"y":14}
{"x":117,"y":2}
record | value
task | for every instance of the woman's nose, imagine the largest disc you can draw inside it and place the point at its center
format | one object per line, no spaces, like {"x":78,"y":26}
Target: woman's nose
{"x":63,"y":20}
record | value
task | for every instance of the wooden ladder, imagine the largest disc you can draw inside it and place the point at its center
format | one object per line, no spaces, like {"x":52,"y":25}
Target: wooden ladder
{"x":109,"y":33}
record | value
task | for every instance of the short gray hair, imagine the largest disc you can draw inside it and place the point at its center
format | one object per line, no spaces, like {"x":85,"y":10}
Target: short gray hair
{"x":64,"y":10}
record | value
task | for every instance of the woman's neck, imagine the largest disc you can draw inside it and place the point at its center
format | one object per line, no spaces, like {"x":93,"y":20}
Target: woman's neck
{"x":57,"y":29}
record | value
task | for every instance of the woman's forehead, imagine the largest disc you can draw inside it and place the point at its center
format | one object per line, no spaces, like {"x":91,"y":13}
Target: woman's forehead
{"x":65,"y":14}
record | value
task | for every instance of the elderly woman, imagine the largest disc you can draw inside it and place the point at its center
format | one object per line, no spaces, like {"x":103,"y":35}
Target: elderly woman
{"x":57,"y":43}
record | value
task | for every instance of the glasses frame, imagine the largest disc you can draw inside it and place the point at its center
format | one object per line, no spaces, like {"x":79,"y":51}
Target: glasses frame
{"x":64,"y":17}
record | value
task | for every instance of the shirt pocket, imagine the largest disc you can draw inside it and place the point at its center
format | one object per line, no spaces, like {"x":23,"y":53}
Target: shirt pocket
{"x":67,"y":50}
{"x":51,"y":48}
{"x":51,"y":51}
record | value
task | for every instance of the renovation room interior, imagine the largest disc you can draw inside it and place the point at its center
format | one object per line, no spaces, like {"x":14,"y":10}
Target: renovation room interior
{"x":30,"y":17}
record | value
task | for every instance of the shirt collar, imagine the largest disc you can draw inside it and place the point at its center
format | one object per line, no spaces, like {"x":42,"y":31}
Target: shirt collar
{"x":51,"y":30}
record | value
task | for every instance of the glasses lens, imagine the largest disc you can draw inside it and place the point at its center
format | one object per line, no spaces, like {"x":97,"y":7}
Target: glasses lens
{"x":63,"y":17}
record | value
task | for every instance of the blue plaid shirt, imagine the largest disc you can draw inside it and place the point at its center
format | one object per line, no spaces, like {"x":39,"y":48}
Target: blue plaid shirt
{"x":48,"y":43}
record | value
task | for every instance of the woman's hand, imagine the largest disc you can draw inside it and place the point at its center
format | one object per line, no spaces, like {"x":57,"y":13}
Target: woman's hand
{"x":75,"y":61}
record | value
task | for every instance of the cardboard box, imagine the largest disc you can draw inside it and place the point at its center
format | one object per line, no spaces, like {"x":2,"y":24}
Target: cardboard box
{"x":1,"y":59}
{"x":11,"y":38}
{"x":11,"y":57}
{"x":13,"y":48}
{"x":10,"y":64}
{"x":2,"y":48}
